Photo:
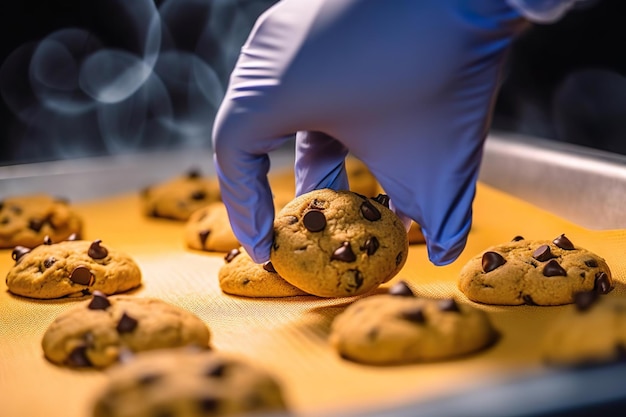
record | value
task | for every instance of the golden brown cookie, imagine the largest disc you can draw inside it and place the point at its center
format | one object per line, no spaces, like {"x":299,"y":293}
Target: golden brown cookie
{"x":188,"y":383}
{"x":100,"y":331}
{"x":208,"y":229}
{"x":240,"y":275}
{"x":71,"y":269}
{"x":338,"y":243}
{"x":179,"y":197}
{"x":26,"y":220}
{"x":534,"y":272}
{"x":400,"y":328}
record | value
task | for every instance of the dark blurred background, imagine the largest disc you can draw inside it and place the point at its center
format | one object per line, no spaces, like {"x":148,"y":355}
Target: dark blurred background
{"x":101,"y":77}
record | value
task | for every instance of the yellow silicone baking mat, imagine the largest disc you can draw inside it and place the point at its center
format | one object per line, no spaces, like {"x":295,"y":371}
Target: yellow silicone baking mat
{"x":288,"y":336}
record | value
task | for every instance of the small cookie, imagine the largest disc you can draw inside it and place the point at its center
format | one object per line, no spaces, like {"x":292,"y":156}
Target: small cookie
{"x":26,"y":220}
{"x":399,"y":328}
{"x":534,"y":272}
{"x":188,"y":383}
{"x":98,"y":332}
{"x":71,"y":269}
{"x":240,"y":275}
{"x":179,"y":197}
{"x":592,"y":331}
{"x":208,"y":229}
{"x":338,"y":243}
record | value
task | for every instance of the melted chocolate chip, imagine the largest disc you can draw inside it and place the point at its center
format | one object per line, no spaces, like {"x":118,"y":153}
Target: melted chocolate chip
{"x":584,"y":300}
{"x":602,"y":284}
{"x":18,"y":253}
{"x":553,"y":269}
{"x":269,"y":267}
{"x":344,"y":253}
{"x":415,"y":315}
{"x":382,"y":199}
{"x":231,"y":255}
{"x":78,"y":357}
{"x":36,"y":224}
{"x":48,"y":262}
{"x":371,"y":245}
{"x":542,"y":253}
{"x":82,"y":275}
{"x":47,"y":240}
{"x":402,"y":289}
{"x":491,"y":261}
{"x":370,"y":212}
{"x":591,"y":263}
{"x":517,"y":238}
{"x":126,"y":324}
{"x":563,"y":243}
{"x":449,"y":304}
{"x":314,"y":221}
{"x":203,"y":235}
{"x":96,"y":251}
{"x":99,"y":301}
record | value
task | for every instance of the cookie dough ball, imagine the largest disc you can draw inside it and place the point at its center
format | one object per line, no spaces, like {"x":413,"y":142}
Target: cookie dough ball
{"x":338,"y":243}
{"x":399,"y":328}
{"x":208,"y":229}
{"x":98,"y":332}
{"x":240,"y":275}
{"x":26,"y":220}
{"x":179,"y":197}
{"x":188,"y":383}
{"x":71,"y":269}
{"x":592,"y":331}
{"x":534,"y":272}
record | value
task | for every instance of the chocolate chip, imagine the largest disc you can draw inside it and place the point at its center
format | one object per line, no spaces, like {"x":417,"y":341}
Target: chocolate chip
{"x":48,"y":262}
{"x":317,"y":204}
{"x":215,"y":370}
{"x":357,"y":279}
{"x":231,"y":255}
{"x":371,"y":245}
{"x":203,"y":235}
{"x":449,"y":304}
{"x":370,"y":212}
{"x":517,"y":238}
{"x":542,"y":253}
{"x":36,"y":224}
{"x":399,"y":258}
{"x":314,"y":220}
{"x":78,"y":357}
{"x":563,"y":243}
{"x":553,"y":269}
{"x":126,"y":324}
{"x":82,"y":275}
{"x":269,"y":267}
{"x":96,"y":251}
{"x":382,"y":199}
{"x":492,"y":260}
{"x":148,"y":379}
{"x":344,"y":253}
{"x":198,"y":195}
{"x":585,"y":299}
{"x":415,"y":315}
{"x":209,"y":404}
{"x":402,"y":289}
{"x":47,"y":240}
{"x":602,"y":284}
{"x":5,"y":220}
{"x":19,"y":252}
{"x":591,"y":263}
{"x":99,"y":301}
{"x":193,"y":174}
{"x":16,"y":210}
{"x":1,"y":205}
{"x":529,"y":300}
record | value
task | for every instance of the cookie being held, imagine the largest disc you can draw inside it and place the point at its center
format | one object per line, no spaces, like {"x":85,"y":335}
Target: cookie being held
{"x":179,"y":197}
{"x":98,"y":332}
{"x":338,"y":243}
{"x":188,"y":383}
{"x":25,"y":220}
{"x":71,"y":269}
{"x":208,"y":229}
{"x":399,"y":328}
{"x":240,"y":275}
{"x":534,"y":272}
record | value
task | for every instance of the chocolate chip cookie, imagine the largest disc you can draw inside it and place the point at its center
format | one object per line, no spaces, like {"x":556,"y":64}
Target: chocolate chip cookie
{"x":25,"y":220}
{"x":188,"y":383}
{"x":208,"y":229}
{"x":338,"y":243}
{"x":398,"y":328}
{"x":71,"y":269}
{"x":534,"y":272}
{"x":240,"y":275}
{"x":179,"y":197}
{"x":592,"y":331}
{"x":100,"y":331}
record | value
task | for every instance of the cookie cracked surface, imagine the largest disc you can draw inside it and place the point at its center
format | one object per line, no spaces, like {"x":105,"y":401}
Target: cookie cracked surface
{"x":534,"y":272}
{"x":338,"y":243}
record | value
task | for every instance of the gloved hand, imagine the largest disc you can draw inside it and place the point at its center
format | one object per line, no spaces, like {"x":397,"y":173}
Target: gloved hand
{"x":407,"y":86}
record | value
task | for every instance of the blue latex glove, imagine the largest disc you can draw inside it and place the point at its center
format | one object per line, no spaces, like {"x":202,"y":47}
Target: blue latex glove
{"x":407,"y":86}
